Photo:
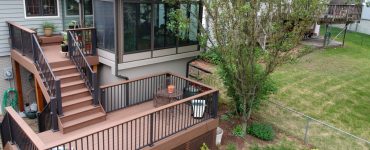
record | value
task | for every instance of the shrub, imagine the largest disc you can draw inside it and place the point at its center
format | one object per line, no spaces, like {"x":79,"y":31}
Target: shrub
{"x":262,"y":131}
{"x":211,"y":56}
{"x":231,"y":146}
{"x":238,"y":131}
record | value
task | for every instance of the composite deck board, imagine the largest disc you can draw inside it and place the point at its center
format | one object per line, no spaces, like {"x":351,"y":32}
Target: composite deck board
{"x":166,"y":123}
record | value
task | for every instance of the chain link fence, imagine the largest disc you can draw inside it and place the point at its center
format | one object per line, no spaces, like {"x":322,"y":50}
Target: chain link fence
{"x":313,"y":132}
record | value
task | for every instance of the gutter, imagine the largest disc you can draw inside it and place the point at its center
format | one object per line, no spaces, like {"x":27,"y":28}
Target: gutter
{"x":116,"y":45}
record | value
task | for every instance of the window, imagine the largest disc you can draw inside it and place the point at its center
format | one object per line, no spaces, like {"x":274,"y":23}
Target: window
{"x":192,"y":12}
{"x":137,"y":27}
{"x":36,"y":8}
{"x":104,"y":24}
{"x":163,"y":38}
{"x":142,"y":20}
{"x":72,"y":7}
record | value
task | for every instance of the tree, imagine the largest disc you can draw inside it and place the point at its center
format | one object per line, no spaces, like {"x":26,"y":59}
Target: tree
{"x":236,"y":28}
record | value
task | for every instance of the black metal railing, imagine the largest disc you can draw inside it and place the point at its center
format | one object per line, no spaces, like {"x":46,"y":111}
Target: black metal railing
{"x":86,"y":40}
{"x":151,"y":126}
{"x":12,"y":132}
{"x":21,"y":39}
{"x":44,"y":119}
{"x":25,"y":41}
{"x":77,"y":55}
{"x":132,"y":92}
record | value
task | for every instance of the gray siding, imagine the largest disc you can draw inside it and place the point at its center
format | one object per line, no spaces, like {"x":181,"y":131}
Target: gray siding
{"x":13,"y":10}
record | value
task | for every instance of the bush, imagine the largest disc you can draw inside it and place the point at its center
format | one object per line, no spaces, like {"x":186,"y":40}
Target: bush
{"x":238,"y":131}
{"x":262,"y":131}
{"x":231,"y":146}
{"x":211,"y":56}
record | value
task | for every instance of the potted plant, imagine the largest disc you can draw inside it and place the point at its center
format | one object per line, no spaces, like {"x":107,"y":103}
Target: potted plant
{"x":48,"y":28}
{"x":72,"y":24}
{"x":64,"y":47}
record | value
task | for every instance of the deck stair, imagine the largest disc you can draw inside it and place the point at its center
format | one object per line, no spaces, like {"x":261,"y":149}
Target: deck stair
{"x":77,"y":101}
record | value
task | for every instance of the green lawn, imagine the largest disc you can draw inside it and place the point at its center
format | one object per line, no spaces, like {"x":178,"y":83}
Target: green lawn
{"x":332,"y":85}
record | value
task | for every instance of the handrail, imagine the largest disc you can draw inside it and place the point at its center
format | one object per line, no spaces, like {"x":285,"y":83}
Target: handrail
{"x":147,"y":114}
{"x":87,"y":74}
{"x":19,"y":132}
{"x":86,"y":38}
{"x":21,"y":27}
{"x":25,"y":41}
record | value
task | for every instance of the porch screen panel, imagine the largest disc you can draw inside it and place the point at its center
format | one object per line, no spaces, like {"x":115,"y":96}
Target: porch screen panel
{"x":137,"y":27}
{"x":104,"y":23}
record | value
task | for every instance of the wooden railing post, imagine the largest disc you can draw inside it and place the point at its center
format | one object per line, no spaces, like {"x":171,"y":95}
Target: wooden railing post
{"x":96,"y":88}
{"x":10,"y":129}
{"x":215,"y":104}
{"x":94,"y":41}
{"x":151,"y":138}
{"x":58,"y":97}
{"x":53,"y":114}
{"x":127,"y":102}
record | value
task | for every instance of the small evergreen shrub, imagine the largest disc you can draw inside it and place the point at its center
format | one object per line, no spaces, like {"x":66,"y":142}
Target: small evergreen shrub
{"x":262,"y":131}
{"x":231,"y":146}
{"x":238,"y":131}
{"x":211,"y":56}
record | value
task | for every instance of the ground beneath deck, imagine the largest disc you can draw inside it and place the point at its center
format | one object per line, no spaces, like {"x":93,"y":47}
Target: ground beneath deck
{"x":319,"y":42}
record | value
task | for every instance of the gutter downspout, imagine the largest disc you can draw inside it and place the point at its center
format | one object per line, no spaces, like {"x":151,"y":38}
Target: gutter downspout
{"x":116,"y":5}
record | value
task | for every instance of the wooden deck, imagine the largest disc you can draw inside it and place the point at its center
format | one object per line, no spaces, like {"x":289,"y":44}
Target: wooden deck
{"x":126,"y":132}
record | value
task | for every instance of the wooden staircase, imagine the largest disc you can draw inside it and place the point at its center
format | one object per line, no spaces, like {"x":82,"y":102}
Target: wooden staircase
{"x":77,"y":101}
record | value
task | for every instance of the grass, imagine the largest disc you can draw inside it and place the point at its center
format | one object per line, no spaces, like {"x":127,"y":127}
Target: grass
{"x":332,"y":84}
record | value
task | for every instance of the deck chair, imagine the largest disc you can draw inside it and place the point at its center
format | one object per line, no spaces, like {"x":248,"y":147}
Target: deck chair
{"x":198,"y":107}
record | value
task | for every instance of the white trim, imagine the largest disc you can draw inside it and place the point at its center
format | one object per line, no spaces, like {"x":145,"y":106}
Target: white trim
{"x":106,"y":54}
{"x":4,"y":54}
{"x":151,"y":61}
{"x":40,"y":17}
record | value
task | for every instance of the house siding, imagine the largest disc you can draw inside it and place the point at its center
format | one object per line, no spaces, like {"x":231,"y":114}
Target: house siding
{"x":13,"y":10}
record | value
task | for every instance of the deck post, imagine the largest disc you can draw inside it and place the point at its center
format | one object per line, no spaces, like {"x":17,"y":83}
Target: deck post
{"x":58,"y":97}
{"x":53,"y":114}
{"x":215,"y":104}
{"x":10,"y":129}
{"x":96,"y":89}
{"x":39,"y":96}
{"x":151,"y":138}
{"x":18,"y":81}
{"x":345,"y":33}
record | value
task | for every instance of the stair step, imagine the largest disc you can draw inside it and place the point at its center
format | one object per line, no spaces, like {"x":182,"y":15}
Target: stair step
{"x":70,"y":86}
{"x":83,"y":121}
{"x":72,"y":83}
{"x":64,"y":68}
{"x":79,"y":112}
{"x":69,"y":78}
{"x":77,"y":103}
{"x":72,"y":95}
{"x":61,"y":63}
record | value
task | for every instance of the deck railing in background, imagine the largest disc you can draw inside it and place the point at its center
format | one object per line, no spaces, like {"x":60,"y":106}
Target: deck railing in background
{"x":16,"y":131}
{"x":86,"y":40}
{"x":151,"y":126}
{"x":132,"y":92}
{"x":77,"y":55}
{"x":349,"y":12}
{"x":25,"y":41}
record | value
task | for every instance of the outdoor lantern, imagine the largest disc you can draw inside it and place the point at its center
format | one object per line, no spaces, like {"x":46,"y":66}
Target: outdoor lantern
{"x":198,"y":107}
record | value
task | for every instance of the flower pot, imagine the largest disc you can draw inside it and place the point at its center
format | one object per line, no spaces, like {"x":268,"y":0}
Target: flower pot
{"x":64,"y":48}
{"x":48,"y":32}
{"x":219,"y":134}
{"x":171,"y":89}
